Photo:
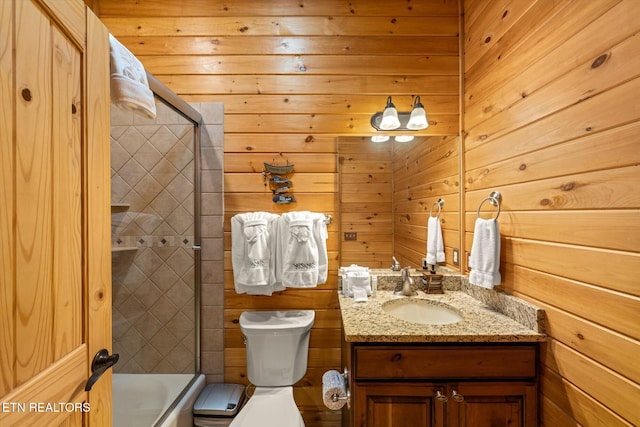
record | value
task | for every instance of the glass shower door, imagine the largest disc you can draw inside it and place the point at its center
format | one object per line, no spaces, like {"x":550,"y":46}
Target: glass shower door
{"x":153,"y":189}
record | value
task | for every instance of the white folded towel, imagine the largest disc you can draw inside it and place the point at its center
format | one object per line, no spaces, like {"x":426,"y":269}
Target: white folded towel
{"x":129,"y":84}
{"x":356,"y":280}
{"x":252,"y":253}
{"x":435,"y":245}
{"x":301,"y":260}
{"x":355,"y":277}
{"x":485,"y":254}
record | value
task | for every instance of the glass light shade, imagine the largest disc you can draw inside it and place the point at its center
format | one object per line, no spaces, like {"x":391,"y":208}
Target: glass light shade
{"x":379,"y":138}
{"x":389,"y":119}
{"x":418,"y":119}
{"x":404,"y":138}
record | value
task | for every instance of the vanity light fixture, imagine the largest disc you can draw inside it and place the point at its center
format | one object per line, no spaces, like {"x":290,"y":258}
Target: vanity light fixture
{"x":403,"y":138}
{"x":379,"y":138}
{"x":418,"y":118}
{"x":397,"y":138}
{"x":391,"y":119}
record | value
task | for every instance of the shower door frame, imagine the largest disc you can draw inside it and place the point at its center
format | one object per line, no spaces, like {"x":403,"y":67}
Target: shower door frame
{"x":181,"y":106}
{"x":178,"y":104}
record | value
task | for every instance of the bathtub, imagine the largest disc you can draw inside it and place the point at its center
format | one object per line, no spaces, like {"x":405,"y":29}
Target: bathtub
{"x":141,"y":400}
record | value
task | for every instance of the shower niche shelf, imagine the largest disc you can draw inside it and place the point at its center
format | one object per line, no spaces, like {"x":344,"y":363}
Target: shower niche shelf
{"x":124,"y":249}
{"x":118,"y":207}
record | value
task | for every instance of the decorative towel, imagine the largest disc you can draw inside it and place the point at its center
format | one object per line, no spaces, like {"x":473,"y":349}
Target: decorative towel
{"x":321,"y":235}
{"x":252,"y":253}
{"x":435,"y":245}
{"x":485,"y":254}
{"x":129,"y":84}
{"x":301,"y":260}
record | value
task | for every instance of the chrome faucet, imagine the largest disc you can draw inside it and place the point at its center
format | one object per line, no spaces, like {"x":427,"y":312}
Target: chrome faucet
{"x":407,"y":282}
{"x":396,"y":265}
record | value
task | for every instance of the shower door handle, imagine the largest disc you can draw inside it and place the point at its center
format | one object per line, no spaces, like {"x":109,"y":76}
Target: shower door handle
{"x":101,"y":362}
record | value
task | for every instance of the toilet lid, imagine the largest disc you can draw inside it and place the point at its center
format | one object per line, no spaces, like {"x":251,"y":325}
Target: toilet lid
{"x":269,"y":407}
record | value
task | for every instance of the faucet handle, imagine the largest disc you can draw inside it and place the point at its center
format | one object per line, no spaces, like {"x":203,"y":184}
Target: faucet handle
{"x":406,"y":274}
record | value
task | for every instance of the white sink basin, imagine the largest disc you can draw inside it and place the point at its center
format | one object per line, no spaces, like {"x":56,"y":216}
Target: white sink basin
{"x":421,"y":311}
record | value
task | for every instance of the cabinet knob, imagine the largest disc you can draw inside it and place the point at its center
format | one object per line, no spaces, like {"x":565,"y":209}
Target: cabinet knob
{"x":441,"y":397}
{"x":457,"y":397}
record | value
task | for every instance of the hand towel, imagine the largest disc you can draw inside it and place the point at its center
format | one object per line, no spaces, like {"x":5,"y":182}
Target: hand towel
{"x":301,"y":259}
{"x":129,"y":84}
{"x":321,"y":235}
{"x":485,"y":254}
{"x":252,"y":253}
{"x":435,"y":245}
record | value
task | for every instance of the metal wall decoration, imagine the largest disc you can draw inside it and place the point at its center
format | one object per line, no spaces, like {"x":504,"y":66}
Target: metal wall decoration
{"x":278,"y":178}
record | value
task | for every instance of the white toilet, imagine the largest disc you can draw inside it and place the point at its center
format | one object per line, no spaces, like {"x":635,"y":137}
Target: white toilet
{"x":277,"y":347}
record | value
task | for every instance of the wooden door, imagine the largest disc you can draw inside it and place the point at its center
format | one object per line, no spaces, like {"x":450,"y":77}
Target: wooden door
{"x":397,"y":405}
{"x":55,"y":290}
{"x":510,"y":404}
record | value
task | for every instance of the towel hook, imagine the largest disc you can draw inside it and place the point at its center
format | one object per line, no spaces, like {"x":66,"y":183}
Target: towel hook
{"x":440,"y":204}
{"x":495,"y":198}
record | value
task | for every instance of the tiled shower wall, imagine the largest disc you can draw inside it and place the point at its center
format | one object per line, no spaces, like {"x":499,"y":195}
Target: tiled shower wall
{"x":152,"y":193}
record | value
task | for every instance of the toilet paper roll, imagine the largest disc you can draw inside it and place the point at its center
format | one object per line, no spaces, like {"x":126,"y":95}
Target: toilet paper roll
{"x":333,"y":385}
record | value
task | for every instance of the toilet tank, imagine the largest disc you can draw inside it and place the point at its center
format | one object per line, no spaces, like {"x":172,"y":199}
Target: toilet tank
{"x":277,"y":345}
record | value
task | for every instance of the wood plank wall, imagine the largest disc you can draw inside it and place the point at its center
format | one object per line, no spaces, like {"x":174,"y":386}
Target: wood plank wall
{"x":551,"y":120}
{"x":294,"y":76}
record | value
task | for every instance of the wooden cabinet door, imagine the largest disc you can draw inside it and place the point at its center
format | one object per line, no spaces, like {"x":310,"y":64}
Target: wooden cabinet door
{"x":55,"y":261}
{"x":397,"y":405}
{"x":492,"y":404}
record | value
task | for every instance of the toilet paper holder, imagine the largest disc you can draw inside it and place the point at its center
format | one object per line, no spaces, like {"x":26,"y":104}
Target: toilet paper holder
{"x":335,"y":397}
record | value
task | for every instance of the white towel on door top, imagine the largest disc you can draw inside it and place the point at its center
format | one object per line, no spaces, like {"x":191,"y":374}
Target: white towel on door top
{"x":435,"y":245}
{"x":485,"y":254}
{"x":129,"y":84}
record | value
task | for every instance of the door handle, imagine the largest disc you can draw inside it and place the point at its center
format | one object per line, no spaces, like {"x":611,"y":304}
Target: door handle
{"x":101,"y":362}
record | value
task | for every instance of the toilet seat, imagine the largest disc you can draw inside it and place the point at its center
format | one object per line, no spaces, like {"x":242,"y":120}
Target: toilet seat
{"x":269,"y":407}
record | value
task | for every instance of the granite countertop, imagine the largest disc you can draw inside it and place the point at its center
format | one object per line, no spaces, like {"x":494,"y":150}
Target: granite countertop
{"x":367,"y":322}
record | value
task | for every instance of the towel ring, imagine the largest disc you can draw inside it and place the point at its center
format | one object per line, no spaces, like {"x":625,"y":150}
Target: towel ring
{"x":439,"y":203}
{"x":494,"y":198}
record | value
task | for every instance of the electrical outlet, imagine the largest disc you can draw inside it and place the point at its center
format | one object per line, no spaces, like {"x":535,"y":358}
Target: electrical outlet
{"x":456,"y":257}
{"x":350,"y":235}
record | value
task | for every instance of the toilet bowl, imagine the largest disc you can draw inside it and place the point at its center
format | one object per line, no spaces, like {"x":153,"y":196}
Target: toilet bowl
{"x":277,"y":348}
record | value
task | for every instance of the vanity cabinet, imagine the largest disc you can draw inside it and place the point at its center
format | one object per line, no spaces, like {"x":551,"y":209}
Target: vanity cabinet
{"x":436,"y":385}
